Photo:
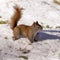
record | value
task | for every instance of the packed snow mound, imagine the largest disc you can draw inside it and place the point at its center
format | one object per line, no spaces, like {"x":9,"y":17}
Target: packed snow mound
{"x":46,"y":48}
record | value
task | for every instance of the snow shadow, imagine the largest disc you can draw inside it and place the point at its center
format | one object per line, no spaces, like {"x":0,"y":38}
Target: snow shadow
{"x":56,"y":31}
{"x":47,"y":34}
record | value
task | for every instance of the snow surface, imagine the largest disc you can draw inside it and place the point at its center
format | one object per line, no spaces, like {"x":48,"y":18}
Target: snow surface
{"x":46,"y":12}
{"x":48,"y":45}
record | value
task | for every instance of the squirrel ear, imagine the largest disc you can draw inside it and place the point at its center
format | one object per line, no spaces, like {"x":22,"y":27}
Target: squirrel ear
{"x":36,"y":22}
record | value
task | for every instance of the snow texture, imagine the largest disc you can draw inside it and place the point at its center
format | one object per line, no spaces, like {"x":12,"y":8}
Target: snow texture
{"x":47,"y":46}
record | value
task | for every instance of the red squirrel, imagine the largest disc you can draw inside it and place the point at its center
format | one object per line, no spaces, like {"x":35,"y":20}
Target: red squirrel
{"x":23,"y":30}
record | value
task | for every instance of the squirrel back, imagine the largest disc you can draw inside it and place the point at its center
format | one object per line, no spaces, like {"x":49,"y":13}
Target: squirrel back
{"x":16,"y":16}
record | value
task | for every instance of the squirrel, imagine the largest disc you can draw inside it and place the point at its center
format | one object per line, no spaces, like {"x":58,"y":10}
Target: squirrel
{"x":23,"y":30}
{"x":27,"y":31}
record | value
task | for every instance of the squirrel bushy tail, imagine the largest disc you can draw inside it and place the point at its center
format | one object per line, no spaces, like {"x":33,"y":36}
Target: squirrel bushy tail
{"x":16,"y":16}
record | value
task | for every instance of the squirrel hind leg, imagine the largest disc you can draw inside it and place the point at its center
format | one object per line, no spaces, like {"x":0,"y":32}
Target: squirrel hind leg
{"x":16,"y":33}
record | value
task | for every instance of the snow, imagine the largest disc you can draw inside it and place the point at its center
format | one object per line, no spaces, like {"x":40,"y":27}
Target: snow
{"x":41,"y":10}
{"x":48,"y":45}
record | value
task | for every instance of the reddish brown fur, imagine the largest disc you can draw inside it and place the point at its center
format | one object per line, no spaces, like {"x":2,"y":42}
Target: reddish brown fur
{"x":15,"y":18}
{"x":23,"y":30}
{"x":27,"y":31}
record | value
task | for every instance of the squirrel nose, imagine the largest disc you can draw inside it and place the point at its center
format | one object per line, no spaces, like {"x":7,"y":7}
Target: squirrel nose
{"x":41,"y":28}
